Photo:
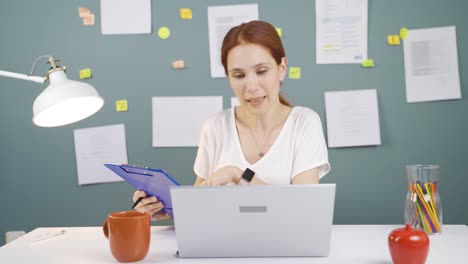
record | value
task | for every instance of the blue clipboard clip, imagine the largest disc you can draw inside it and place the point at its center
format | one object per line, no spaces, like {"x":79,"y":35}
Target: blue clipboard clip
{"x":154,"y":182}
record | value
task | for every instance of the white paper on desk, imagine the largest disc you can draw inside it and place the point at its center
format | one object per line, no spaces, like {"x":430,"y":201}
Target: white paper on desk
{"x":352,"y":118}
{"x":220,"y":20}
{"x":96,"y":146}
{"x":431,"y":65}
{"x":341,"y":31}
{"x":125,"y":17}
{"x":177,"y":121}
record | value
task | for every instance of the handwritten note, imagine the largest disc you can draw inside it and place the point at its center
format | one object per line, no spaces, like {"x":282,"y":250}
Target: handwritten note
{"x":85,"y":73}
{"x":294,"y":72}
{"x":83,"y":11}
{"x":186,"y":13}
{"x":178,"y":64}
{"x":121,"y":105}
{"x":368,"y":63}
{"x":393,"y":40}
{"x":88,"y":20}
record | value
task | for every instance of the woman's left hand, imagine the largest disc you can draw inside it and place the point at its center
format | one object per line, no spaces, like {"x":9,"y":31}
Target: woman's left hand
{"x":224,"y":176}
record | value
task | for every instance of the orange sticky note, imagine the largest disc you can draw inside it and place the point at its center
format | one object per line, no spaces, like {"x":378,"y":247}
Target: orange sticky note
{"x":85,"y":73}
{"x":88,"y":20}
{"x":186,"y":13}
{"x":121,"y":105}
{"x":393,"y":40}
{"x":178,"y":64}
{"x":294,"y":72}
{"x":83,"y":11}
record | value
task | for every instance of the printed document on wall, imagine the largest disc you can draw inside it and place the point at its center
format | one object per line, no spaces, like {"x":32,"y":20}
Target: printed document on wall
{"x":352,"y":118}
{"x":125,"y":17}
{"x":177,"y":121}
{"x":220,"y":20}
{"x":341,"y":28}
{"x":96,"y":146}
{"x":431,"y":65}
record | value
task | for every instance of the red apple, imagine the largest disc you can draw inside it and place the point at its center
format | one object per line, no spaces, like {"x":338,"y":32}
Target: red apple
{"x":408,"y":245}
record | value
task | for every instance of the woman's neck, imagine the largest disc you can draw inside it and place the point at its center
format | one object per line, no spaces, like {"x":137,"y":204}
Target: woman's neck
{"x":262,"y":122}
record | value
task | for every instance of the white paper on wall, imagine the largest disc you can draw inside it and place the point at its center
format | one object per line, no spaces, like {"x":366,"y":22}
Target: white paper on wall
{"x":431,"y":65}
{"x":125,"y":17}
{"x":96,"y":146}
{"x":352,"y":118}
{"x":220,"y":20}
{"x":177,"y":121}
{"x":341,"y":31}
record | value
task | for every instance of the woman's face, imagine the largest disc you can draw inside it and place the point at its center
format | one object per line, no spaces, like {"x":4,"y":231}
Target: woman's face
{"x":255,"y":77}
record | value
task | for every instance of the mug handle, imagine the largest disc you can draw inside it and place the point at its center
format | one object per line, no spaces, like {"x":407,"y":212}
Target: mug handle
{"x":105,"y":228}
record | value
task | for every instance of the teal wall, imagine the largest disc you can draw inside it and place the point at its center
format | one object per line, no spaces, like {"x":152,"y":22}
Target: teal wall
{"x":38,"y":179}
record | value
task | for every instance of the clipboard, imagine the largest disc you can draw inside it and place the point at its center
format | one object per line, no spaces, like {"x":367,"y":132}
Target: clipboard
{"x":155,"y":182}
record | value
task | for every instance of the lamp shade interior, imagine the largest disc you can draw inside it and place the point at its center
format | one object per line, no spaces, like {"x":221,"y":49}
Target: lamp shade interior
{"x":65,"y":101}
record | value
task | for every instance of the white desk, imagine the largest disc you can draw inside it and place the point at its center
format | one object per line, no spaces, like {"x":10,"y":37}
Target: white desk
{"x":358,"y":244}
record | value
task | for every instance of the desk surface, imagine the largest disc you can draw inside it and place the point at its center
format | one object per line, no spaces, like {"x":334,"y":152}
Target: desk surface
{"x":350,"y":244}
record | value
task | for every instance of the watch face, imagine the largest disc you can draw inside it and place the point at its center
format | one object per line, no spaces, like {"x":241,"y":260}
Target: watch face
{"x":248,"y":175}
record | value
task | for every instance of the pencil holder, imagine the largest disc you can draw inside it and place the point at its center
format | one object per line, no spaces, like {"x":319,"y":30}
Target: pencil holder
{"x":423,"y":208}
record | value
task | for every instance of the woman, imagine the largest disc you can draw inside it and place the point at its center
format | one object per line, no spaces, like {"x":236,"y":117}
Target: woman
{"x":264,"y":140}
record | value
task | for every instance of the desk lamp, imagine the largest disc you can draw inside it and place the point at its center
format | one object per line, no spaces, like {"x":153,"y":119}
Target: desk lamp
{"x":64,"y":101}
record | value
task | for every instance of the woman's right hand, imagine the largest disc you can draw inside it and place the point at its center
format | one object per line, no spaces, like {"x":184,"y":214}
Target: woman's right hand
{"x":150,"y":205}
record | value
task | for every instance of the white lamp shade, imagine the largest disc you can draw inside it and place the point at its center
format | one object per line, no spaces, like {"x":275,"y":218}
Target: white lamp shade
{"x":65,"y":101}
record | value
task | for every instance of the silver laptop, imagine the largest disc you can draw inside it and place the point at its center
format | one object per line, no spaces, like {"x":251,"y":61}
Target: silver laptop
{"x":253,"y":221}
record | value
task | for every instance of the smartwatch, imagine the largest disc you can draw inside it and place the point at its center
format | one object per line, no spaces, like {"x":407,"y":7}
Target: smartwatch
{"x":247,"y":176}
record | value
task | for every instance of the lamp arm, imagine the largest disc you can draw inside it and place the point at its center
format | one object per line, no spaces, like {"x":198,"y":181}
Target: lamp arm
{"x":23,"y":76}
{"x":29,"y":76}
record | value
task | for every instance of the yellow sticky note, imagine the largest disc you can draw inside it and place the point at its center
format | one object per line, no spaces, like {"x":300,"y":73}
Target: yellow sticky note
{"x":85,"y":73}
{"x":294,"y":72}
{"x":186,"y":13}
{"x":121,"y":105}
{"x":280,"y":31}
{"x":368,"y":63}
{"x":404,"y":33}
{"x":393,"y":40}
{"x":164,"y":32}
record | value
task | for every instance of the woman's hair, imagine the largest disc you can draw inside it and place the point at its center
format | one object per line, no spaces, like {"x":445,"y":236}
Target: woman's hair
{"x":254,"y":32}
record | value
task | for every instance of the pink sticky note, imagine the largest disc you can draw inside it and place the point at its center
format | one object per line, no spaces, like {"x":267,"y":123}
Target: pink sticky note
{"x":178,"y":64}
{"x":88,"y":20}
{"x":83,"y":12}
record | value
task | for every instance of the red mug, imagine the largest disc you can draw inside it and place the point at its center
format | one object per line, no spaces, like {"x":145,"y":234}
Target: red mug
{"x":129,"y":235}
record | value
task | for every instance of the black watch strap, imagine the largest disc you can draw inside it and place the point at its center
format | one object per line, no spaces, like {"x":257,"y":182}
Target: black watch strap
{"x":248,"y":175}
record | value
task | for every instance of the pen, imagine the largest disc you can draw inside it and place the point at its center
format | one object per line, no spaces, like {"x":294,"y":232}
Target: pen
{"x":47,"y":236}
{"x":137,"y":202}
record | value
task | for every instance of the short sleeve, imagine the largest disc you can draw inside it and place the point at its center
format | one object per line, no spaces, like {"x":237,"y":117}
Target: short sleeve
{"x":311,"y":148}
{"x":204,"y":159}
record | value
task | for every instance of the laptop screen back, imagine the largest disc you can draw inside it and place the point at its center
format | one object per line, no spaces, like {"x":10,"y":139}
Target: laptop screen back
{"x":253,"y":221}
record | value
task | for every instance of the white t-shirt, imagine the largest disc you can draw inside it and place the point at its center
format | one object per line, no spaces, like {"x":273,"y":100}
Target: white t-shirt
{"x":300,"y":146}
